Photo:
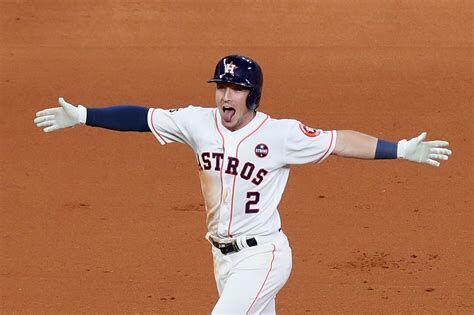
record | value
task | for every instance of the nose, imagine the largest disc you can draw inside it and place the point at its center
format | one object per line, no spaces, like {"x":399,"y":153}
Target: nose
{"x":227,"y":94}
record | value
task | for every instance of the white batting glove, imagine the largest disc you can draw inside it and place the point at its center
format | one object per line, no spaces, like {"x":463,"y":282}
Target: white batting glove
{"x":417,"y":150}
{"x":66,"y":116}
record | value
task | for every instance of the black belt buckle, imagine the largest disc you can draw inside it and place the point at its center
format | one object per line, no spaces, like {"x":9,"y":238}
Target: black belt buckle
{"x":227,"y":248}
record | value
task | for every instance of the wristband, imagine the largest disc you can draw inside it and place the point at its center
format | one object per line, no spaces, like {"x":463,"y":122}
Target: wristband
{"x":386,"y":150}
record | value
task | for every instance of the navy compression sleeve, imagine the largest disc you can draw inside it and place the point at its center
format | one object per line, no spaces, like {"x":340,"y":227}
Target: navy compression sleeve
{"x":121,"y":118}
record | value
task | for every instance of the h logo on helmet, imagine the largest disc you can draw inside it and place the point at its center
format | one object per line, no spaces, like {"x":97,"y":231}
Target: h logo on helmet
{"x":228,"y":68}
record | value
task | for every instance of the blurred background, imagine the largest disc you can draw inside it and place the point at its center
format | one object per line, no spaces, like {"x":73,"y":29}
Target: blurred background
{"x":101,"y":221}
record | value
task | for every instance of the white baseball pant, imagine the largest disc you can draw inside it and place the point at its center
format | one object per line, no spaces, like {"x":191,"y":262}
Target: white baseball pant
{"x":249,"y":280}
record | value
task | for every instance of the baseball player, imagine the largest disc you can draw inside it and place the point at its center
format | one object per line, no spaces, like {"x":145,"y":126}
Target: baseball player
{"x":244,"y":159}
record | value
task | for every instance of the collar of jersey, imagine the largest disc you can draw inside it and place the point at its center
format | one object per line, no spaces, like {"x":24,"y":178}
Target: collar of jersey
{"x":254,"y":123}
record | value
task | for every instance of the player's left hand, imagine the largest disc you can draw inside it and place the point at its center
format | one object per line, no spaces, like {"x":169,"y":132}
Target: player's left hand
{"x":417,"y":150}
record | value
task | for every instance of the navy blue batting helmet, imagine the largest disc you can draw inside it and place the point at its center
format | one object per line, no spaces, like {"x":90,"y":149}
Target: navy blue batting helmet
{"x":243,"y":71}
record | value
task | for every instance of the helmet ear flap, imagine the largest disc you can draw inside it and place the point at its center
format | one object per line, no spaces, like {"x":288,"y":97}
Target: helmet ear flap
{"x":253,"y":99}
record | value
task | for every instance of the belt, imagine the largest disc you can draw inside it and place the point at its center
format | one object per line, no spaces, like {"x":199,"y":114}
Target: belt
{"x":227,"y":248}
{"x":234,"y":246}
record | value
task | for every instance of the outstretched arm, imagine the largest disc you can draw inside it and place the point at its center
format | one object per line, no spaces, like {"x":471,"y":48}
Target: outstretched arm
{"x":358,"y":145}
{"x":121,"y":118}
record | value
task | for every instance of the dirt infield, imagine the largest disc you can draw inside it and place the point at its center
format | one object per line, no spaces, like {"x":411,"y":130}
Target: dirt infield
{"x":101,"y":221}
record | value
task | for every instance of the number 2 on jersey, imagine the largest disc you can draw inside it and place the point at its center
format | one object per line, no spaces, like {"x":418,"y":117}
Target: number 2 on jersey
{"x":254,"y":198}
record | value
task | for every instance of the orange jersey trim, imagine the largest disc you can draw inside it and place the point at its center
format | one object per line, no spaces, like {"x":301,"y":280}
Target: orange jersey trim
{"x":153,"y":126}
{"x":329,"y":148}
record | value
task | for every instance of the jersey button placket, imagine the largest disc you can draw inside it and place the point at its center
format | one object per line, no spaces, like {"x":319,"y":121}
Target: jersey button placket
{"x":227,"y":189}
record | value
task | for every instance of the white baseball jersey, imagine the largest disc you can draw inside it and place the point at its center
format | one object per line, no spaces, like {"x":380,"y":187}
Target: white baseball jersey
{"x":243,"y":173}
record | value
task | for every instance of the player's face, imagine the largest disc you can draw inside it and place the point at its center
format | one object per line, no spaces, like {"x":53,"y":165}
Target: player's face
{"x":231,"y":101}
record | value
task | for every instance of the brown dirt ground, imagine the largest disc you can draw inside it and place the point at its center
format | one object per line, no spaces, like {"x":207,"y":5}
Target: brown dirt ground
{"x":100,"y":221}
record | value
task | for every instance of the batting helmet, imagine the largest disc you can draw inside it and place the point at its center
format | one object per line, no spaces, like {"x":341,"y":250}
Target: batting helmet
{"x":243,"y":71}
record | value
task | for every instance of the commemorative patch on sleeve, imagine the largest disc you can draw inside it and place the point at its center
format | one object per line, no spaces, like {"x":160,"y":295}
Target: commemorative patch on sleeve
{"x":308,"y":131}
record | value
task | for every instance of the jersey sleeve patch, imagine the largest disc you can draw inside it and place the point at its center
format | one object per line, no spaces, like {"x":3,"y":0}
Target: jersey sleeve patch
{"x":308,"y":131}
{"x":304,"y":144}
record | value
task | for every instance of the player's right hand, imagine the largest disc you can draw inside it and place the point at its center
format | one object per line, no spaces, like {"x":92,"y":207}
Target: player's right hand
{"x":66,"y":116}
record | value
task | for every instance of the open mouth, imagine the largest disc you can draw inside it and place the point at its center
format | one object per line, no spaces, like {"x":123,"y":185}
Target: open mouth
{"x":228,"y":113}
